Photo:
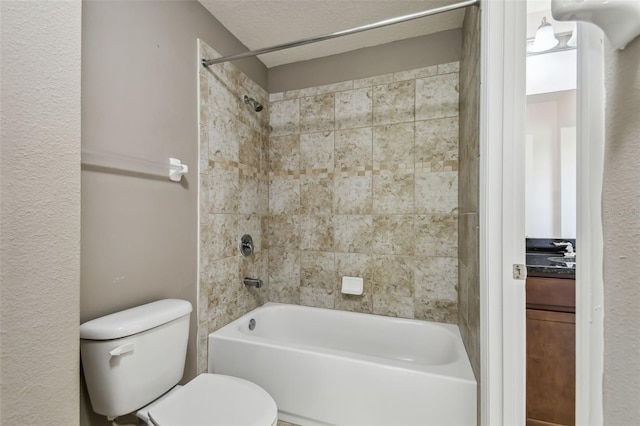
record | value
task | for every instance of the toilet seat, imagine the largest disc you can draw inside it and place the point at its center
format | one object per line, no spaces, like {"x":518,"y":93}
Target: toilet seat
{"x":215,"y":399}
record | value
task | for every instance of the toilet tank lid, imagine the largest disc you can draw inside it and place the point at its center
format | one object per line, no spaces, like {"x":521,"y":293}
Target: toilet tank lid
{"x":134,"y":320}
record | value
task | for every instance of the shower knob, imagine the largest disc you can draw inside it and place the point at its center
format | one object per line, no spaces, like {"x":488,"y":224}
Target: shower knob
{"x":246,"y":245}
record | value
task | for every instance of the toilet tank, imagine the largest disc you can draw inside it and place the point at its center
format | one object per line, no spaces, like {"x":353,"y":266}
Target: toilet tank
{"x":133,"y":356}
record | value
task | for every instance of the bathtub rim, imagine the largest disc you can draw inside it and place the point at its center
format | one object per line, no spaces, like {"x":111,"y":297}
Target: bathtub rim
{"x":458,"y":370}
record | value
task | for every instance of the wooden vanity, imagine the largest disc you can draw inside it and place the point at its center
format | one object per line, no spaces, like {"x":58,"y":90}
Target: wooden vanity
{"x":551,"y":350}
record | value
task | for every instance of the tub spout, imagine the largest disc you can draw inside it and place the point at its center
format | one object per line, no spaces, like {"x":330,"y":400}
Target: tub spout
{"x":252,"y":282}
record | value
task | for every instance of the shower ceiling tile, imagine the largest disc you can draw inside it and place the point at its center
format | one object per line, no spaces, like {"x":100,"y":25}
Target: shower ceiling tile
{"x":260,"y":24}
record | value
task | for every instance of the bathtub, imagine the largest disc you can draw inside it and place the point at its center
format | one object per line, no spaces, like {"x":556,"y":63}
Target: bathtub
{"x":324,"y":366}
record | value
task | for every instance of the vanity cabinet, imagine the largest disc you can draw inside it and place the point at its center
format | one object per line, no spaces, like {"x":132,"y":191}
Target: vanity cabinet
{"x":550,"y":351}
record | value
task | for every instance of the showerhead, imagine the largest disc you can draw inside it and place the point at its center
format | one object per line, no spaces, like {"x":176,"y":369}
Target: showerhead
{"x":257,"y":106}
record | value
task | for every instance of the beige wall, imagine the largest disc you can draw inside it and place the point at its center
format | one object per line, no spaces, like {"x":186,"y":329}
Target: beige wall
{"x":418,"y":52}
{"x":621,"y":224}
{"x":363,"y":182}
{"x":139,"y":98}
{"x":40,"y":227}
{"x":468,"y":193}
{"x":233,"y":196}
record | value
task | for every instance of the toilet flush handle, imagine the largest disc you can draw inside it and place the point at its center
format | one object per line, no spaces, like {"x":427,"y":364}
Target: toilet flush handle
{"x":121,"y":350}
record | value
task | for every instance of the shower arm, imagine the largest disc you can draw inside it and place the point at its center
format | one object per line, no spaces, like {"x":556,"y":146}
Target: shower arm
{"x":309,"y":40}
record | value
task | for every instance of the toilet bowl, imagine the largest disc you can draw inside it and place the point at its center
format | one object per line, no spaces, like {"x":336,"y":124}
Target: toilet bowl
{"x":213,"y":399}
{"x":133,"y":360}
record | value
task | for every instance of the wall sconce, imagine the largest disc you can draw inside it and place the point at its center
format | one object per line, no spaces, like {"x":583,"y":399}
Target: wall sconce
{"x":545,"y":38}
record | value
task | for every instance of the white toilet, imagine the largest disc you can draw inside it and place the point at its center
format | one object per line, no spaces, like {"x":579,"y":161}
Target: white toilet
{"x":133,"y":359}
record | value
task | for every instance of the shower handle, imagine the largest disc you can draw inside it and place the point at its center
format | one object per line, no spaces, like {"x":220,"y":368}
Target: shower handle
{"x":246,"y":245}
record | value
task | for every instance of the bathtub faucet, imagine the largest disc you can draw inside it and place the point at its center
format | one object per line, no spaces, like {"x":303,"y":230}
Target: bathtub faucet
{"x":252,"y":282}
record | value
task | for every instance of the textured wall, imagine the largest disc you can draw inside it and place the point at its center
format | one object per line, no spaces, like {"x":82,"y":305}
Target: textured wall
{"x":363,"y":182}
{"x":233,"y":196}
{"x":417,"y":52}
{"x":40,"y":230}
{"x":468,"y":191}
{"x":140,"y":98}
{"x":621,"y":224}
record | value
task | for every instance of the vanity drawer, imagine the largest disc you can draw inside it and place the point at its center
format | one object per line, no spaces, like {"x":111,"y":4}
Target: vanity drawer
{"x":551,"y":294}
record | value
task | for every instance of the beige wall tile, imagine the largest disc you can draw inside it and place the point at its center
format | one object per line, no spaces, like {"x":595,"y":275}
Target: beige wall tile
{"x":234,"y":197}
{"x":284,"y":268}
{"x":436,"y":278}
{"x":226,"y":288}
{"x":352,"y":195}
{"x":449,"y":67}
{"x":223,"y":231}
{"x":368,"y":197}
{"x":469,"y":282}
{"x":437,"y":96}
{"x":284,"y":196}
{"x":273,"y":97}
{"x":248,"y":194}
{"x":223,"y":190}
{"x":394,"y":143}
{"x":250,"y":146}
{"x":416,"y":73}
{"x":436,"y":311}
{"x":436,"y":235}
{"x":393,"y":306}
{"x":317,"y":113}
{"x":326,"y":88}
{"x":282,"y":231}
{"x":392,"y":275}
{"x":352,"y":303}
{"x":394,"y":103}
{"x":373,"y":81}
{"x":354,"y":265}
{"x":354,"y":108}
{"x":393,"y":193}
{"x":284,"y":117}
{"x":316,"y":233}
{"x":317,"y":297}
{"x":224,"y":137}
{"x":436,"y":140}
{"x":203,"y":347}
{"x":393,"y":234}
{"x":316,"y":150}
{"x":203,"y":190}
{"x":289,"y":295}
{"x":353,"y":233}
{"x":205,"y":246}
{"x":284,"y":152}
{"x":353,"y":147}
{"x":317,"y":270}
{"x":316,"y":195}
{"x":436,"y":192}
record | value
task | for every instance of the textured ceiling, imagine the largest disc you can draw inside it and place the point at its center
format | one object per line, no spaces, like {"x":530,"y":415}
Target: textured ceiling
{"x":270,"y":22}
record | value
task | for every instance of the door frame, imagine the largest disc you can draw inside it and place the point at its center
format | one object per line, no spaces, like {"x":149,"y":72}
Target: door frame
{"x":502,"y":244}
{"x":501,"y":218}
{"x":589,"y":269}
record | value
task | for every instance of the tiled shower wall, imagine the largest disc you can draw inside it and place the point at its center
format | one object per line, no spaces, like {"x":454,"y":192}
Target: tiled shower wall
{"x":233,"y":196}
{"x":469,"y":258}
{"x":363,"y":179}
{"x":357,"y":178}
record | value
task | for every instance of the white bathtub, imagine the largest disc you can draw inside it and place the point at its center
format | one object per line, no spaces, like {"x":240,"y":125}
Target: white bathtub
{"x":332,"y":367}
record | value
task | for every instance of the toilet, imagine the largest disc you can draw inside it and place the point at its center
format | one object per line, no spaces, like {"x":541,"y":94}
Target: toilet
{"x":134,"y":359}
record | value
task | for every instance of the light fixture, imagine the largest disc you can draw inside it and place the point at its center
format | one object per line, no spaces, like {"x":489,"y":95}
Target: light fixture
{"x":545,"y":38}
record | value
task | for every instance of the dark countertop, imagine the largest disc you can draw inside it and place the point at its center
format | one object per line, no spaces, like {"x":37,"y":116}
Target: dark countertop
{"x":538,"y":265}
{"x":539,"y":250}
